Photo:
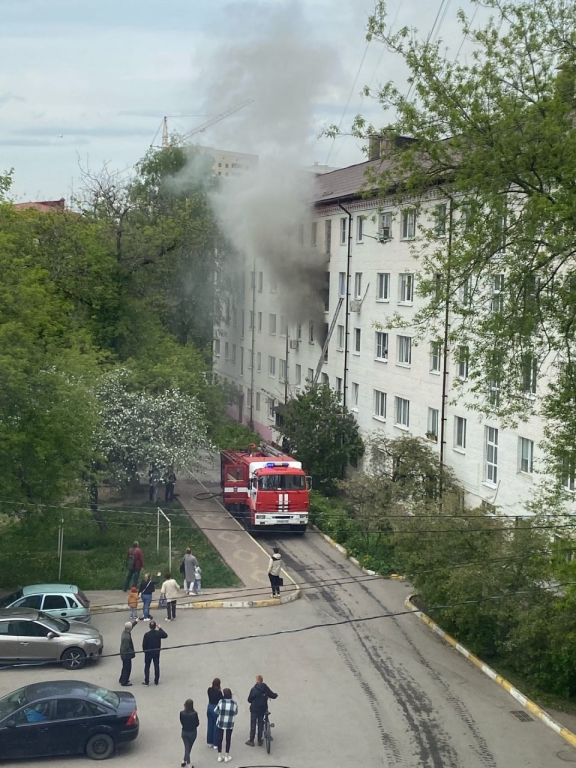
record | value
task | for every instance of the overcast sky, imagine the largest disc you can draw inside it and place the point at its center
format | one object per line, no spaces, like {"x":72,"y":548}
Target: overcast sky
{"x":90,"y":82}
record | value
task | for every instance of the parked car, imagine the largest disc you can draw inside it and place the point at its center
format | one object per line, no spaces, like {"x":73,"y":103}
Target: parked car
{"x":66,"y":718}
{"x":63,"y":600}
{"x":28,"y":636}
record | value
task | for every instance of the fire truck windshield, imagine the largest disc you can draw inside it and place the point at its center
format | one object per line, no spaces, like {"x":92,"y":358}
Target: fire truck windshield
{"x":282,"y":482}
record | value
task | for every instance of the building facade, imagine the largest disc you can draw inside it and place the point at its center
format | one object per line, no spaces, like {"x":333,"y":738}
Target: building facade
{"x":225,"y":162}
{"x":389,"y":378}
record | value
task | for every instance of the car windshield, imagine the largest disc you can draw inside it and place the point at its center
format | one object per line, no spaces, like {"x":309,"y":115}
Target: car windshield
{"x":103,"y":696}
{"x":283,"y":482}
{"x":12,"y":702}
{"x":11,"y":598}
{"x":54,"y":624}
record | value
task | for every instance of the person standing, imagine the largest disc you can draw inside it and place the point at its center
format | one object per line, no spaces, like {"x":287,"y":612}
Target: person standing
{"x":153,"y":482}
{"x":214,"y":696}
{"x":169,"y":482}
{"x":274,"y":570}
{"x":226,"y":711}
{"x":133,"y":603}
{"x":258,"y":700}
{"x":189,"y":722}
{"x":197,"y":588}
{"x":146,"y":590}
{"x":127,"y":653}
{"x":170,"y":591}
{"x":134,"y":564}
{"x":190,"y":564}
{"x":152,"y":645}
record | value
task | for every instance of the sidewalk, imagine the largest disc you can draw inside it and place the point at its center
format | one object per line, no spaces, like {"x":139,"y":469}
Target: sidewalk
{"x":245,"y":556}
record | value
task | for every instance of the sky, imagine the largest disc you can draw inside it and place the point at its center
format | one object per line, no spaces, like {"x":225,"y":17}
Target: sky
{"x":84,"y":85}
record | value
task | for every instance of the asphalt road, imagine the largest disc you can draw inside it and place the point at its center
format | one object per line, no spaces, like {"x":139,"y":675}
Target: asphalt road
{"x":384,"y":693}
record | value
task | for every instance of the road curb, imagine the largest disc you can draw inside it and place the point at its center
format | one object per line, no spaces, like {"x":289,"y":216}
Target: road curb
{"x":344,"y":551}
{"x":286,"y":597}
{"x":527,"y":703}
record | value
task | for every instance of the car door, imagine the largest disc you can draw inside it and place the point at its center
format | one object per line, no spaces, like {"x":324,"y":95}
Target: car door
{"x":26,"y":732}
{"x":56,"y":605}
{"x":34,"y":643}
{"x":9,"y":642}
{"x":30,"y":601}
{"x":77,"y":612}
{"x":70,"y":727}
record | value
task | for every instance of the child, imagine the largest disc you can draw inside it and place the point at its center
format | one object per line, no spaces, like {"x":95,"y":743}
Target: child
{"x":133,"y":603}
{"x":197,"y":588}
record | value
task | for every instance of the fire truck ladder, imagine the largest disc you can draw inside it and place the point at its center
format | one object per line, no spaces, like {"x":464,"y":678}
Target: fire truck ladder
{"x":327,"y":342}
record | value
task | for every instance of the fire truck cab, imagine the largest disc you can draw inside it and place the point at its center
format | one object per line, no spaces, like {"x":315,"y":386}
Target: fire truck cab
{"x":265,"y":491}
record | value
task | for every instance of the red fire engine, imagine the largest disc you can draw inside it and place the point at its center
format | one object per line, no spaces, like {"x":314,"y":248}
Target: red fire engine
{"x":265,"y":489}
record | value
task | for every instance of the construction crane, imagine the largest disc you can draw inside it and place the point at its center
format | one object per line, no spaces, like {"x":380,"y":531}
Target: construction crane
{"x":200,"y":128}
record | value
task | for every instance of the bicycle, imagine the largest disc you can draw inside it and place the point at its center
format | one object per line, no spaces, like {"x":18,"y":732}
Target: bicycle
{"x":266,"y":731}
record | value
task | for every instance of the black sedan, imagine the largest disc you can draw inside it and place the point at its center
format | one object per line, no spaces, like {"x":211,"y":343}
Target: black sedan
{"x":65,"y":718}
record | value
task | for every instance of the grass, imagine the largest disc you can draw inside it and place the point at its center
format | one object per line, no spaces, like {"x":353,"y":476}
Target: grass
{"x":95,"y":560}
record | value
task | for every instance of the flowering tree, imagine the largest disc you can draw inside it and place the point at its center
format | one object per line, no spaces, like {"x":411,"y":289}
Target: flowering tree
{"x":139,"y":429}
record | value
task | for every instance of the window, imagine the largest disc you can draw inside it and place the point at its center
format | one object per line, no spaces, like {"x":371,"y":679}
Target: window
{"x":33,"y":629}
{"x":227,"y":313}
{"x":404,"y":350}
{"x":402,"y":412}
{"x":342,"y":284}
{"x":494,"y":392}
{"x":357,"y":339}
{"x":568,"y":473}
{"x":359,"y":228}
{"x":258,"y":361}
{"x":338,"y":384}
{"x":70,"y":709}
{"x":379,"y":404}
{"x":298,"y":371}
{"x":491,"y":472}
{"x":314,"y":234}
{"x":435,"y":356}
{"x":408,"y":224}
{"x":340,"y":337}
{"x":325,"y":379}
{"x":283,"y":326}
{"x":251,"y":321}
{"x":526,"y":455}
{"x":273,"y":285}
{"x":226,"y":350}
{"x":272,"y":325}
{"x":440,"y":219}
{"x":310,"y":376}
{"x":250,"y":359}
{"x":385,"y":226}
{"x":260,"y":282}
{"x":383,"y":286}
{"x":459,"y":432}
{"x":259,"y":322}
{"x":311,"y":333}
{"x":432,"y":429}
{"x":233,"y":353}
{"x":216,"y":347}
{"x":358,"y":285}
{"x":343,"y":223}
{"x":497,"y":293}
{"x":326,"y":291}
{"x":355,"y":392}
{"x":282,"y":371}
{"x":271,"y":365}
{"x":381,"y":346}
{"x":241,"y":361}
{"x":406,"y":288}
{"x":529,"y":374}
{"x":32,"y":601}
{"x":257,"y":401}
{"x":234,"y":317}
{"x":328,"y":237}
{"x":463,"y":356}
{"x":271,"y":406}
{"x":465,"y":292}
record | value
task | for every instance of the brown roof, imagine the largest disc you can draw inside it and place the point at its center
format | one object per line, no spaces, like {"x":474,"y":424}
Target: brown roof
{"x":44,"y":205}
{"x":343,"y":183}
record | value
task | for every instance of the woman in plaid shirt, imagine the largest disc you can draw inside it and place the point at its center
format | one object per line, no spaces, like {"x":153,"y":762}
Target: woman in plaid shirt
{"x":226,"y":710}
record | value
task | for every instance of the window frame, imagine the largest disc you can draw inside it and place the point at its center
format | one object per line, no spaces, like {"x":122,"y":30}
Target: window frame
{"x":383,"y":282}
{"x":408,"y":224}
{"x":357,"y":341}
{"x":460,"y":428}
{"x":401,"y":409}
{"x":529,"y":459}
{"x":406,"y":343}
{"x":491,"y":456}
{"x":382,"y":342}
{"x":380,"y":404}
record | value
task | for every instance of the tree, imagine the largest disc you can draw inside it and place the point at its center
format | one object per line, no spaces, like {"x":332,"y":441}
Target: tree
{"x":322,"y":434}
{"x":139,"y":429}
{"x":495,"y":137}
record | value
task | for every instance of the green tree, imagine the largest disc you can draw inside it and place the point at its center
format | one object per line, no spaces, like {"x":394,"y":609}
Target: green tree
{"x":322,"y":434}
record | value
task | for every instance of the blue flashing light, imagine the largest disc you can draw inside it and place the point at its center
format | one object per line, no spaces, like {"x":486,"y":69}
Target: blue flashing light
{"x":285,"y":464}
{"x":270,"y":464}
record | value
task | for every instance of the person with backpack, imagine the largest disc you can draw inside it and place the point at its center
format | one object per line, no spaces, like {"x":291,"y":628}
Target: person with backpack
{"x":258,"y":700}
{"x":134,"y":564}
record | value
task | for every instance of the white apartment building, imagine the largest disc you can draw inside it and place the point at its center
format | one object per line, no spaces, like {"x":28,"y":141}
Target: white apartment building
{"x":391,"y":382}
{"x":225,"y":162}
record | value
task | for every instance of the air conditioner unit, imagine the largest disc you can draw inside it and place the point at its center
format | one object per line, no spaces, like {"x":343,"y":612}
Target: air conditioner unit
{"x":294,"y":344}
{"x":355,"y":306}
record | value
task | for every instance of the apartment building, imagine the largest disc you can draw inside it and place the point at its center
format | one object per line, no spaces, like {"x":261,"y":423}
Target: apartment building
{"x":391,"y":380}
{"x":225,"y":162}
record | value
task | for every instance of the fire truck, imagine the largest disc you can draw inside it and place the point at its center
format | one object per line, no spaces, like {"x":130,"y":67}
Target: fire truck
{"x":265,"y":489}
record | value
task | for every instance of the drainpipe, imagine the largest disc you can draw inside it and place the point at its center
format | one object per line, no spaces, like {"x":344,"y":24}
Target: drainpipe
{"x":253,"y":356}
{"x":347,"y":306}
{"x":445,"y":350}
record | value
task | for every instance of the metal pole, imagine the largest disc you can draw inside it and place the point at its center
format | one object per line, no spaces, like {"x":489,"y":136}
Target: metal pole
{"x":169,"y":545}
{"x":445,"y":350}
{"x":253,"y":355}
{"x":347,"y":306}
{"x":286,"y":372}
{"x":158,"y":531}
{"x":60,"y":548}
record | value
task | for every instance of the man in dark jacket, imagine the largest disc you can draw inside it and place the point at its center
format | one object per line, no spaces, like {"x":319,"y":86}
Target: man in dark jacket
{"x":127,"y":653}
{"x":258,"y":700}
{"x":134,"y":564}
{"x":151,"y":645}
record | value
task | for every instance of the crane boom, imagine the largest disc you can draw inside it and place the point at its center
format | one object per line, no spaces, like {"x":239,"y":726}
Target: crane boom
{"x":200,"y":128}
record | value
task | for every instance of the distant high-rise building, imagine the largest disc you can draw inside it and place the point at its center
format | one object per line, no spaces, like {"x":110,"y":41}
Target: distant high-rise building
{"x":227,"y":163}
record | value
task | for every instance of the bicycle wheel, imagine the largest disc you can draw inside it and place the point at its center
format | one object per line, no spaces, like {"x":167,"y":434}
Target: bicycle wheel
{"x":267,"y":735}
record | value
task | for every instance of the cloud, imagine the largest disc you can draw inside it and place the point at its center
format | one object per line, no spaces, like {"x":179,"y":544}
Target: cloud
{"x":5,"y":98}
{"x":70,"y":130}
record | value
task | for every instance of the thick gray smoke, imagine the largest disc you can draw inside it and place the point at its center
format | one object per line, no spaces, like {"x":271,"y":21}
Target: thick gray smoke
{"x":285,"y":71}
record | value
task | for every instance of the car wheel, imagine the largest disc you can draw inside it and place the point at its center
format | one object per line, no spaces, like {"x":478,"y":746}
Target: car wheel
{"x":101,"y":746}
{"x":73,"y":658}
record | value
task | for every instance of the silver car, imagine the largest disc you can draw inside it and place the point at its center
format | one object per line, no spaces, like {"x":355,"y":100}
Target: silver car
{"x":29,"y":636}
